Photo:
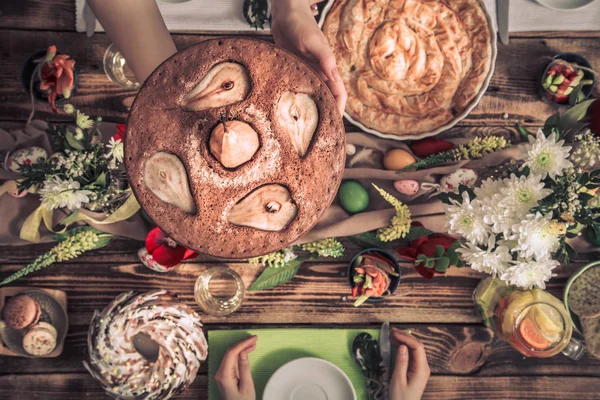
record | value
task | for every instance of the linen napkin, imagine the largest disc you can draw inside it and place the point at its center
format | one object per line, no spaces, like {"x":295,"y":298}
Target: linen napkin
{"x":277,"y":347}
{"x":227,"y":15}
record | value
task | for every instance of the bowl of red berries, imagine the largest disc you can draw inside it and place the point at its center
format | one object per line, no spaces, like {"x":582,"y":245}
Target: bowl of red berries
{"x":567,"y":79}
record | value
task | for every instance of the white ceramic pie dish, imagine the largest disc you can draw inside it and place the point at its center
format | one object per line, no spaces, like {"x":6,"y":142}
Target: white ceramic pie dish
{"x":458,"y":117}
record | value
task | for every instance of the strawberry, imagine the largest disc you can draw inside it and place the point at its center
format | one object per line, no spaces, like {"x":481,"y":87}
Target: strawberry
{"x":428,"y":146}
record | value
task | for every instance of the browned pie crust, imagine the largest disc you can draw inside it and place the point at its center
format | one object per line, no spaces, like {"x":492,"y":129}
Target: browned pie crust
{"x":157,"y":123}
{"x":409,"y":66}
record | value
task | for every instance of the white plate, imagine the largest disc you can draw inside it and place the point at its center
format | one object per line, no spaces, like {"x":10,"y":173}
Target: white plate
{"x":565,"y":4}
{"x":309,"y":379}
{"x":457,"y":118}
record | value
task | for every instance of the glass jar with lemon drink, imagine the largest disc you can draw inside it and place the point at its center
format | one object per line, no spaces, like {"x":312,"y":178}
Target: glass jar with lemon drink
{"x":533,"y":321}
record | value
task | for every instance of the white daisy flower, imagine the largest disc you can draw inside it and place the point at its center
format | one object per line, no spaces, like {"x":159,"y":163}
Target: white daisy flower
{"x":466,"y":219}
{"x":116,"y":149}
{"x":545,"y":156}
{"x":534,"y":237}
{"x":58,"y":193}
{"x":493,"y":262}
{"x":499,"y":217}
{"x":83,"y":121}
{"x":527,"y":273}
{"x":522,"y":194}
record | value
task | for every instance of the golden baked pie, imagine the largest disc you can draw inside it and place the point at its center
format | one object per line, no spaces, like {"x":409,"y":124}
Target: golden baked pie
{"x":409,"y":66}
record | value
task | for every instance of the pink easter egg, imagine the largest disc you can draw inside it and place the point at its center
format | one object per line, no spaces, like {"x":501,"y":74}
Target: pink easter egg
{"x":15,"y":193}
{"x":407,"y":186}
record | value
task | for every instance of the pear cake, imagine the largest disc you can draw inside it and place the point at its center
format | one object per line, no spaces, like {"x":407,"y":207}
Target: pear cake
{"x":234,"y":147}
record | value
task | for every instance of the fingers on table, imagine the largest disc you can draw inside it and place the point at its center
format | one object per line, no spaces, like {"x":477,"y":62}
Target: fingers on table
{"x":401,"y":369}
{"x":419,"y":364}
{"x":246,"y":381}
{"x":232,"y":355}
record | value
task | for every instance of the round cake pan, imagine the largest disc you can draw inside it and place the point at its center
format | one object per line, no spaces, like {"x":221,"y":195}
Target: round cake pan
{"x":457,"y":118}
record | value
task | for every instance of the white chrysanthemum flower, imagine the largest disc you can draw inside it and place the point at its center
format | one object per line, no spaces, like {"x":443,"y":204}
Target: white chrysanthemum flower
{"x":488,"y":190}
{"x":522,"y":194}
{"x":534,"y":237}
{"x":527,"y":273}
{"x":499,"y":217}
{"x":491,"y":261}
{"x":83,"y":121}
{"x":545,"y":156}
{"x":466,"y":219}
{"x":116,"y":149}
{"x":58,"y":193}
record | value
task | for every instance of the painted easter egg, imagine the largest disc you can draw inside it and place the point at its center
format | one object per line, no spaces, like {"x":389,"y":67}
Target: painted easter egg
{"x":26,"y":156}
{"x":407,"y":186}
{"x":354,"y":197}
{"x":462,"y":176}
{"x":15,"y":193}
{"x":397,"y":159}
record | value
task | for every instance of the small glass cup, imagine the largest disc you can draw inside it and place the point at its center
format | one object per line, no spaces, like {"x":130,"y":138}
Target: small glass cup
{"x":219,"y":291}
{"x":116,"y":69}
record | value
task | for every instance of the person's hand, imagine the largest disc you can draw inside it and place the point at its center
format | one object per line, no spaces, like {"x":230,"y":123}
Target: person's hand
{"x":233,"y":377}
{"x":294,"y":28}
{"x":411,"y":373}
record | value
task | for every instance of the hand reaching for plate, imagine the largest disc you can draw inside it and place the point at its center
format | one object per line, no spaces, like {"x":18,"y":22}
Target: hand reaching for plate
{"x":411,"y":373}
{"x":233,"y":377}
{"x":294,"y":28}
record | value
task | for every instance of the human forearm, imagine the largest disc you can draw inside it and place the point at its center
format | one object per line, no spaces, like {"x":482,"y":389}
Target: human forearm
{"x":139,"y":32}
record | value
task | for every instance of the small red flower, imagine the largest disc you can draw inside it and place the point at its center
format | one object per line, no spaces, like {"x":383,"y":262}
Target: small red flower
{"x":164,"y":251}
{"x":425,"y":245}
{"x":27,"y":162}
{"x":120,"y":135}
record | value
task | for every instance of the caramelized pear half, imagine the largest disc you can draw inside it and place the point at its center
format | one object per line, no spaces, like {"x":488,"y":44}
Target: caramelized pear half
{"x":233,"y":143}
{"x":165,"y":176}
{"x":226,"y":83}
{"x":267,"y":208}
{"x":298,"y":115}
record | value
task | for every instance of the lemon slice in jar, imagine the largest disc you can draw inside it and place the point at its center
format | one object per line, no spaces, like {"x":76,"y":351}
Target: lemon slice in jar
{"x":548,"y":321}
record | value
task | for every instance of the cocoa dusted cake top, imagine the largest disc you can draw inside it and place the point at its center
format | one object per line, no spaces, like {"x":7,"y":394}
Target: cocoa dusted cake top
{"x":234,"y":147}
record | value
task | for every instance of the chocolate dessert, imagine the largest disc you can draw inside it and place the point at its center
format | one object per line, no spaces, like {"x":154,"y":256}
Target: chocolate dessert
{"x":234,"y":147}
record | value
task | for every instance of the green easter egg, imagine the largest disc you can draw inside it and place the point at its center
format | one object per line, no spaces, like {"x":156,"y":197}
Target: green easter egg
{"x":354,"y":198}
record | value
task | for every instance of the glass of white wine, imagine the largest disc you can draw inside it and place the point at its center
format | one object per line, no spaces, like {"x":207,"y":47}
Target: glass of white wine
{"x":219,"y":291}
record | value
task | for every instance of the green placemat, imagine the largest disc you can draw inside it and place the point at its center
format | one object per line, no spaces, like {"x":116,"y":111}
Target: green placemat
{"x":276,"y":347}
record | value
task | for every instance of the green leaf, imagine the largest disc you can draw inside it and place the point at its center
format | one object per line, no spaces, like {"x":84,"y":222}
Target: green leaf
{"x":575,"y":96}
{"x":524,"y":132}
{"x":417,"y":232}
{"x":101,"y":180}
{"x":272,"y":277}
{"x":551,"y":124}
{"x":429,"y":263}
{"x":442,"y":264}
{"x":418,"y":262}
{"x":74,"y":143}
{"x":569,"y":119}
{"x":422,"y":257}
{"x":439,"y":251}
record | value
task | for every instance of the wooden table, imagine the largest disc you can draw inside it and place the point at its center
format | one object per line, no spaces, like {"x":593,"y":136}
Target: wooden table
{"x":466,"y":361}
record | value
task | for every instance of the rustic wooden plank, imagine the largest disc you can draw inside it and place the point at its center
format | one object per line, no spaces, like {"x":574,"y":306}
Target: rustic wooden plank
{"x":38,"y":15}
{"x":318,"y":294}
{"x":61,"y":386}
{"x":451,"y":350}
{"x":512,"y":90}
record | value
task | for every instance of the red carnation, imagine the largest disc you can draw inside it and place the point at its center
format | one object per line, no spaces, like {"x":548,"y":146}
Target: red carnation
{"x":120,"y":135}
